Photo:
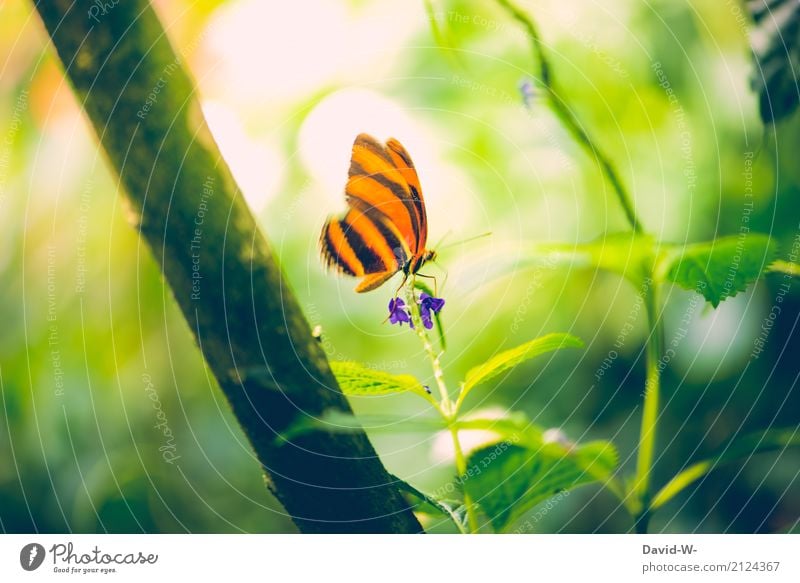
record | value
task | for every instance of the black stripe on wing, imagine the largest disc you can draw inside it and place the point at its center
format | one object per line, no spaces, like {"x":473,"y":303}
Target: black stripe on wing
{"x":330,"y":255}
{"x":368,"y":257}
{"x":382,"y":224}
{"x":397,"y":190}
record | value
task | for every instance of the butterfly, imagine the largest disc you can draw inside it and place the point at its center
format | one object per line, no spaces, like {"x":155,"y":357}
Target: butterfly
{"x":385,"y":228}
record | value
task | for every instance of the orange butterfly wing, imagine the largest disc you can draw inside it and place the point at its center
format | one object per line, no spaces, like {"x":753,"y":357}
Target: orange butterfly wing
{"x":384,"y":177}
{"x":386,"y":224}
{"x":402,"y":161}
{"x":363,"y":243}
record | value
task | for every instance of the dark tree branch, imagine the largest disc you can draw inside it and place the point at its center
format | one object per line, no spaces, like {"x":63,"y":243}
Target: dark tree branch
{"x":222,"y":272}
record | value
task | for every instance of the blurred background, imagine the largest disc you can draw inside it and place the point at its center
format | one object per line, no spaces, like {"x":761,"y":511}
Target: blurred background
{"x":110,"y":421}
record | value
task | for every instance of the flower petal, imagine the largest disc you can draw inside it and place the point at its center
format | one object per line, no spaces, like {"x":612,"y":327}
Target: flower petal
{"x":428,"y":305}
{"x":398,"y":312}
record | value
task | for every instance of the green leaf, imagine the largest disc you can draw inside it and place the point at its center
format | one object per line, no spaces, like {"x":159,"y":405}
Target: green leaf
{"x":358,"y":380}
{"x":785,"y":267}
{"x":721,"y":268}
{"x":336,"y":421}
{"x":514,"y":427}
{"x":506,"y":480}
{"x":628,"y":254}
{"x":508,"y":359}
{"x":738,"y":449}
{"x":453,"y":510}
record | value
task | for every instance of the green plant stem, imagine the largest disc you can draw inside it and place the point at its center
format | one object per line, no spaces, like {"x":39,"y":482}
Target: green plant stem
{"x":446,"y":407}
{"x":461,"y":468}
{"x":647,"y":435}
{"x":741,"y":448}
{"x":442,"y":38}
{"x":567,"y":118}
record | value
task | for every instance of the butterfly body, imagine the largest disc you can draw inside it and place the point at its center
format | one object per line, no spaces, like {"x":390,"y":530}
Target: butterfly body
{"x":385,"y":228}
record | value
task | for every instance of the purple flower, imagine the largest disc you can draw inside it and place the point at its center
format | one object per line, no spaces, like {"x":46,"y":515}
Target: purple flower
{"x":398,"y":312}
{"x":429,"y":305}
{"x":528,"y":92}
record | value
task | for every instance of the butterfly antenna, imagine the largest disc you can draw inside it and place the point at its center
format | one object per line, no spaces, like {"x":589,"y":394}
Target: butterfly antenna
{"x":442,"y":239}
{"x":402,"y":283}
{"x":468,"y":240}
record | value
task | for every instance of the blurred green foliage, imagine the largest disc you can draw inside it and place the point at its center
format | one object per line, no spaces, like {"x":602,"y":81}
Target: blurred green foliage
{"x":665,"y":89}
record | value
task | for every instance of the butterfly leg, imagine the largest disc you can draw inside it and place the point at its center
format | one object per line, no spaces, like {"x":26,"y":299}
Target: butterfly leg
{"x":402,"y":283}
{"x":435,"y":282}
